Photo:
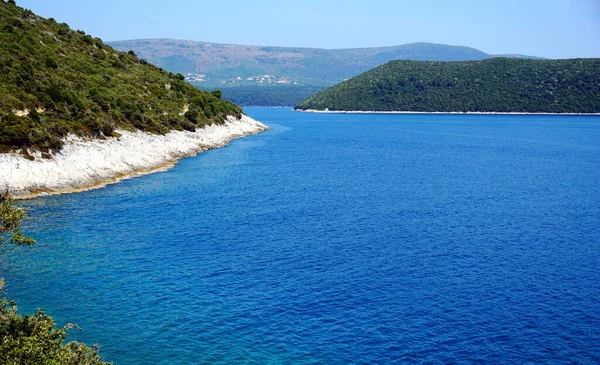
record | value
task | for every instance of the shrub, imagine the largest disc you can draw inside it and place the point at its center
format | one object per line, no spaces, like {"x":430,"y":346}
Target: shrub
{"x":51,"y":62}
{"x":216,"y":93}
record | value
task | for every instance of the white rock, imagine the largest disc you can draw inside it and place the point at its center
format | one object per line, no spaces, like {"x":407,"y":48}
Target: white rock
{"x":83,"y":164}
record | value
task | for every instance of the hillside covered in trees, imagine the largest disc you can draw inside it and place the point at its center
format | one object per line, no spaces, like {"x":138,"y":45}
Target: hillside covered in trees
{"x":493,"y":85}
{"x":55,"y":81}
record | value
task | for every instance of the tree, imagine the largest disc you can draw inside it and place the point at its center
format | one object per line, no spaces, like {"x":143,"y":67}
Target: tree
{"x":10,"y":223}
{"x":216,"y":93}
{"x":33,"y":339}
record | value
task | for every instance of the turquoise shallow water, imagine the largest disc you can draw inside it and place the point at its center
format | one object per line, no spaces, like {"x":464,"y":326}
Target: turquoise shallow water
{"x":336,"y":239}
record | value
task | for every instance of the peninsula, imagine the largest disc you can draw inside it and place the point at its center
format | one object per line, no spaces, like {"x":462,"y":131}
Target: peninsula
{"x":497,"y":85}
{"x":76,"y":114}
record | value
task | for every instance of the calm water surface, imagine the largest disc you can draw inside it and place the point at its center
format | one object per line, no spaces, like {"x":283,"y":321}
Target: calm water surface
{"x":336,"y":239}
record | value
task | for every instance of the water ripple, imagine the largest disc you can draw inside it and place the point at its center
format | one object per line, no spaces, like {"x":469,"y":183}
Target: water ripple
{"x":337,"y":239}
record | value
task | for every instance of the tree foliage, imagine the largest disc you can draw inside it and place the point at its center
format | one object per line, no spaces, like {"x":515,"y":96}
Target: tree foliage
{"x":270,"y":95}
{"x":494,"y":85}
{"x":10,"y":223}
{"x":35,"y":339}
{"x":55,"y":81}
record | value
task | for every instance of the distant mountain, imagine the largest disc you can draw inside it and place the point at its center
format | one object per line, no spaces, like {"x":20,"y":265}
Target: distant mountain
{"x":492,"y":85}
{"x":243,"y":72}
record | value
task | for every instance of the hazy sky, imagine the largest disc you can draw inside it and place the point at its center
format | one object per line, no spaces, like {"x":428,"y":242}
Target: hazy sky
{"x":545,"y":28}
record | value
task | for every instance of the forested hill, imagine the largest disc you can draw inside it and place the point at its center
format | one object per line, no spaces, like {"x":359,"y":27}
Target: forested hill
{"x":55,"y":81}
{"x":493,"y":85}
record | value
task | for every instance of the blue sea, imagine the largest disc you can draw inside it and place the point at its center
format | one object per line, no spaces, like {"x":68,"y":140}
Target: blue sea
{"x":336,"y":239}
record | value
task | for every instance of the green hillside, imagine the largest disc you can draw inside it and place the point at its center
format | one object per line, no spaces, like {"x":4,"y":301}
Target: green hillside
{"x":493,"y":85}
{"x":258,"y":75}
{"x":55,"y":81}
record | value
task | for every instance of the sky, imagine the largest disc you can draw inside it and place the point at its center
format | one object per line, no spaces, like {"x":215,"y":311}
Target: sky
{"x":543,"y":28}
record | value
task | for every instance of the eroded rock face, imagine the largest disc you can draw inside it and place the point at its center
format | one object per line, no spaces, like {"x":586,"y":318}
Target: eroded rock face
{"x":83,"y":165}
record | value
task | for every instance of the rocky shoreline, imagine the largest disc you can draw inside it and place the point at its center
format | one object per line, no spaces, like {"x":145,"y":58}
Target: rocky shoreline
{"x":89,"y":164}
{"x":434,"y":113}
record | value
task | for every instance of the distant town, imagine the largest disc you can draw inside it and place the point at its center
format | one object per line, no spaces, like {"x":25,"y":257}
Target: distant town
{"x":259,"y":79}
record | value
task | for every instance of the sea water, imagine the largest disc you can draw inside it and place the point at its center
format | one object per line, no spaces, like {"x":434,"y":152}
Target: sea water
{"x":336,"y":239}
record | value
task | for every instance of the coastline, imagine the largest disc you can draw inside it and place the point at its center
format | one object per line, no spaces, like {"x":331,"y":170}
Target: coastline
{"x":433,"y":113}
{"x":91,"y":164}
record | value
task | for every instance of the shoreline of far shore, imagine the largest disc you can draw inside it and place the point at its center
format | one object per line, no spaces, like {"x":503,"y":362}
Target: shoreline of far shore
{"x":83,"y":165}
{"x":436,"y":113}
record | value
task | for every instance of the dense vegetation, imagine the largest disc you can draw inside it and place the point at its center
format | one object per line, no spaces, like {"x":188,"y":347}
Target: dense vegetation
{"x":494,"y":85}
{"x":70,"y":82}
{"x":33,"y":339}
{"x":226,"y":66}
{"x":275,"y":95}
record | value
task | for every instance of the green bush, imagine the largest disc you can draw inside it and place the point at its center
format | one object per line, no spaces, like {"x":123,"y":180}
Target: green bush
{"x":35,"y":340}
{"x":14,"y":131}
{"x":216,"y":93}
